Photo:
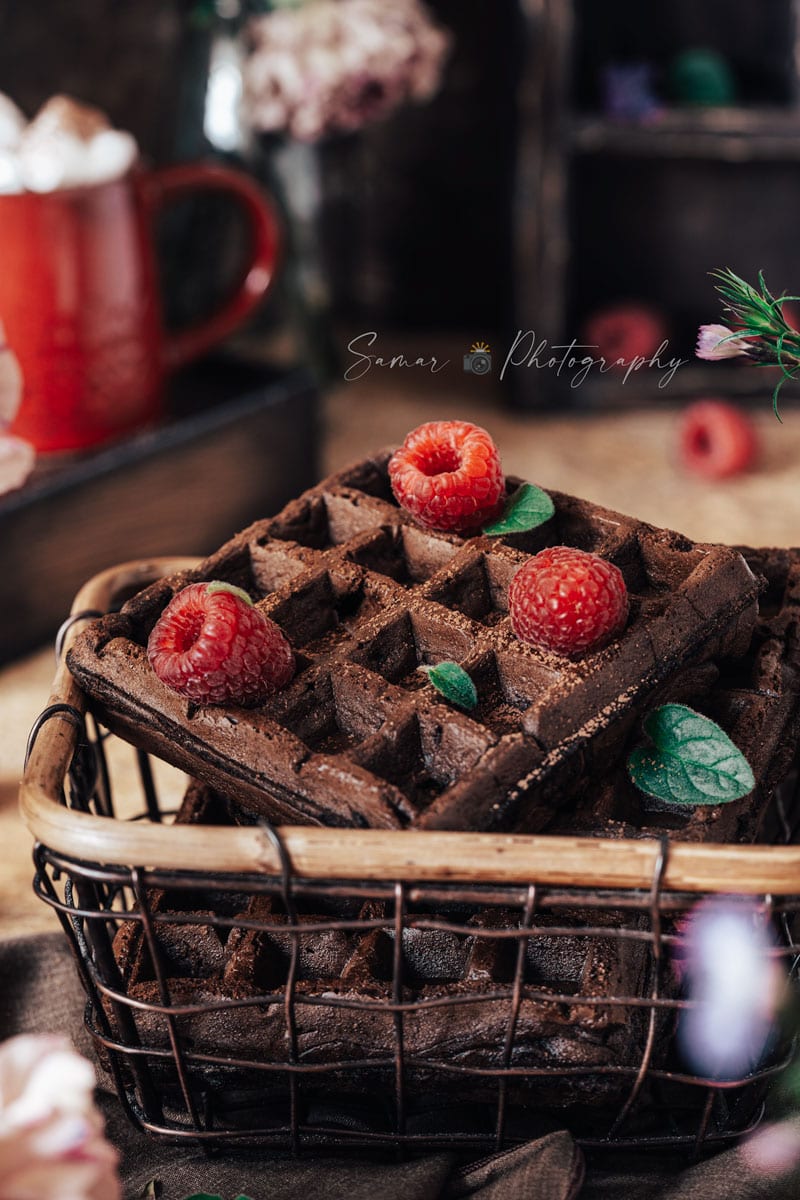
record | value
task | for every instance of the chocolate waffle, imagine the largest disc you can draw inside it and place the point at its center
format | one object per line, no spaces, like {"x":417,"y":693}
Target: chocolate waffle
{"x":365,"y":596}
{"x":755,"y":699}
{"x":456,"y":978}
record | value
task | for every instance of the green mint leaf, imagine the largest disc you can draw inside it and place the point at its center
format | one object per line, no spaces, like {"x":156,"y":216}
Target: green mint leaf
{"x":205,"y":1196}
{"x":217,"y":585}
{"x":691,"y":761}
{"x":453,"y":682}
{"x":526,"y":509}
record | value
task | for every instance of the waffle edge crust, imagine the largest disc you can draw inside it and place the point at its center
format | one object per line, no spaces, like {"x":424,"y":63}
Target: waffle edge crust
{"x":366,"y":597}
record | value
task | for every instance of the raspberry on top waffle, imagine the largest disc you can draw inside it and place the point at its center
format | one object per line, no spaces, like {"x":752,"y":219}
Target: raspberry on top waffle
{"x":365,"y":596}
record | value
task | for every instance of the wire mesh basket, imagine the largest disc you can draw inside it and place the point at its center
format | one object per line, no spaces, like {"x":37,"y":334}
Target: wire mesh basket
{"x":317,"y":988}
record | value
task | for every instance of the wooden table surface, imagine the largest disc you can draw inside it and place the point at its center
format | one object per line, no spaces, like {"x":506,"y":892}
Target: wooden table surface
{"x":626,"y":461}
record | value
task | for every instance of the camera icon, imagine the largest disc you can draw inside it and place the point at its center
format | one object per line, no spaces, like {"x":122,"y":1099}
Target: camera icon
{"x":479,"y":359}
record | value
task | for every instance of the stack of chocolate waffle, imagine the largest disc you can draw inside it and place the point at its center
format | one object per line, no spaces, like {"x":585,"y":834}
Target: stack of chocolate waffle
{"x":224,"y":967}
{"x":360,"y":737}
{"x":366,"y":597}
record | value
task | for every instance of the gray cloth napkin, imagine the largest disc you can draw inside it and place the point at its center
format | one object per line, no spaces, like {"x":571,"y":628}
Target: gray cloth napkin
{"x":40,"y":993}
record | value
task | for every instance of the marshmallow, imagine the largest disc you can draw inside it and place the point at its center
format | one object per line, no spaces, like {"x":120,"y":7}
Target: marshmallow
{"x":112,"y":153}
{"x":49,"y":160}
{"x":63,"y":115}
{"x":10,"y":174}
{"x":12,"y":123}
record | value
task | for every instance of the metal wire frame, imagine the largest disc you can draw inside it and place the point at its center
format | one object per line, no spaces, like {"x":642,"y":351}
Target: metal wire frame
{"x":182,"y":1088}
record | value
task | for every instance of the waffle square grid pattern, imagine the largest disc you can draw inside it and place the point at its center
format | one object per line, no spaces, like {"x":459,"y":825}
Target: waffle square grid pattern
{"x":365,"y":596}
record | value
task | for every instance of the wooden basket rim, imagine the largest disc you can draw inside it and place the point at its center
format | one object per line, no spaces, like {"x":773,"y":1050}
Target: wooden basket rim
{"x":356,"y":854}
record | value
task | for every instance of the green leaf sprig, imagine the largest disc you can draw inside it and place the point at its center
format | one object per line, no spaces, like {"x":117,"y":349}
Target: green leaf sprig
{"x":452,"y":682}
{"x":691,"y":760}
{"x":527,"y":508}
{"x":758,"y":314}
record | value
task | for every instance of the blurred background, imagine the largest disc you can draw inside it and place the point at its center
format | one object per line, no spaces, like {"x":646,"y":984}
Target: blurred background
{"x":569,"y":156}
{"x":513,"y":175}
{"x":573,"y":154}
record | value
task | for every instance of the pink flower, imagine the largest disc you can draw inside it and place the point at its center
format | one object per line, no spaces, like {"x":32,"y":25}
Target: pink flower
{"x":717,"y":341}
{"x":51,"y":1135}
{"x":336,"y":65}
{"x":738,"y":984}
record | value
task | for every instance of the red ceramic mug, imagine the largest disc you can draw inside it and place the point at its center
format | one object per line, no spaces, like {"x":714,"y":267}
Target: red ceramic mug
{"x":80,"y":304}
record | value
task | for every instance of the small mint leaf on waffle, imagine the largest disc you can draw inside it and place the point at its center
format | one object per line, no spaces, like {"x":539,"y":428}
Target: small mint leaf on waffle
{"x":452,"y":682}
{"x":691,"y":760}
{"x":526,"y":509}
{"x":218,"y":585}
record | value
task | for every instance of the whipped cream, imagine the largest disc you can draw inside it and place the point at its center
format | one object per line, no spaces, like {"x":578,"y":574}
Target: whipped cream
{"x":67,"y":144}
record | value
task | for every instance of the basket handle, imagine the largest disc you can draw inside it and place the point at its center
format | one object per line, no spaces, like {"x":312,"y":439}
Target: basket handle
{"x":391,"y":855}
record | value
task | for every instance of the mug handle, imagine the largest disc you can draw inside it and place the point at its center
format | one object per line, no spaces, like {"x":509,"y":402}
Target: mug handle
{"x":160,"y":187}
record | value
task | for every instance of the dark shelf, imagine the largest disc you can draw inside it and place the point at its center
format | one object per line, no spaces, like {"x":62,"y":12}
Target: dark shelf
{"x":749,"y":386}
{"x":611,"y":211}
{"x":729,"y":134}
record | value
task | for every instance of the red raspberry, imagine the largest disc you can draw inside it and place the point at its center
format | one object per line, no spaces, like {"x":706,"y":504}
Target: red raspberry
{"x":567,"y":600}
{"x":627,"y":332}
{"x":214,"y":646}
{"x":447,"y":474}
{"x":716,"y":439}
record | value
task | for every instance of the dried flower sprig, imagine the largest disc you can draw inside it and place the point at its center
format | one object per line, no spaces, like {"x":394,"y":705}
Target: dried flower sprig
{"x":333,"y":66}
{"x":759,"y":331}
